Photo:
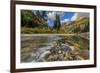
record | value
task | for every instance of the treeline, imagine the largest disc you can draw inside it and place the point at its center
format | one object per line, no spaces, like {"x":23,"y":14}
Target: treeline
{"x":31,"y":19}
{"x":37,"y":19}
{"x":36,"y":22}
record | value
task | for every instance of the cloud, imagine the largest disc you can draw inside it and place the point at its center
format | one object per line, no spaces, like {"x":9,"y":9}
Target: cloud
{"x":65,"y":20}
{"x":74,"y":17}
{"x":51,"y":15}
{"x":60,"y":13}
{"x":84,"y":14}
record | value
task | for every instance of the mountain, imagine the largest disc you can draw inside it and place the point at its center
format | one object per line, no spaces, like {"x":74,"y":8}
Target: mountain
{"x":80,"y":25}
{"x":31,"y":19}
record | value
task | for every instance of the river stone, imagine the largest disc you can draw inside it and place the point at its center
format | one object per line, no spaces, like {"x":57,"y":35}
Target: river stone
{"x":59,"y":51}
{"x":66,"y":47}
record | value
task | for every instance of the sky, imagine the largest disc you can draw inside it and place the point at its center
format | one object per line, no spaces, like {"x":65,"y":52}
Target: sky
{"x":64,"y":16}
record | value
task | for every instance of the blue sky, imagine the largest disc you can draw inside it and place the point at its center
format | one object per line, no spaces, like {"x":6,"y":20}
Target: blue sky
{"x":65,"y":15}
{"x":50,"y":22}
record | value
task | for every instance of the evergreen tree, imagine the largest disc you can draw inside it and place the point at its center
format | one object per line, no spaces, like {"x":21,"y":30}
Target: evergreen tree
{"x":57,"y":23}
{"x":26,"y":18}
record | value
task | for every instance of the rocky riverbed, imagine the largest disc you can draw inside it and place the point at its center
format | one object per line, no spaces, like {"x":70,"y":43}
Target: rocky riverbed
{"x":55,"y":49}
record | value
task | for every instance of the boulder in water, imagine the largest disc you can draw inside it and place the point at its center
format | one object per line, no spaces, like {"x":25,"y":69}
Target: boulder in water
{"x":66,"y":47}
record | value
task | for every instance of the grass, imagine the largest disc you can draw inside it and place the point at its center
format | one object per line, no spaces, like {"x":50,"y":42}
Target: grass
{"x":26,"y":30}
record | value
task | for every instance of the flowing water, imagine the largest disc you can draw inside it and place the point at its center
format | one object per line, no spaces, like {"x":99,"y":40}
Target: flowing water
{"x":36,"y":48}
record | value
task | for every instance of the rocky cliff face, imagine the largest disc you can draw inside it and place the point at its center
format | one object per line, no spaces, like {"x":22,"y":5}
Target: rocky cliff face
{"x":80,"y":25}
